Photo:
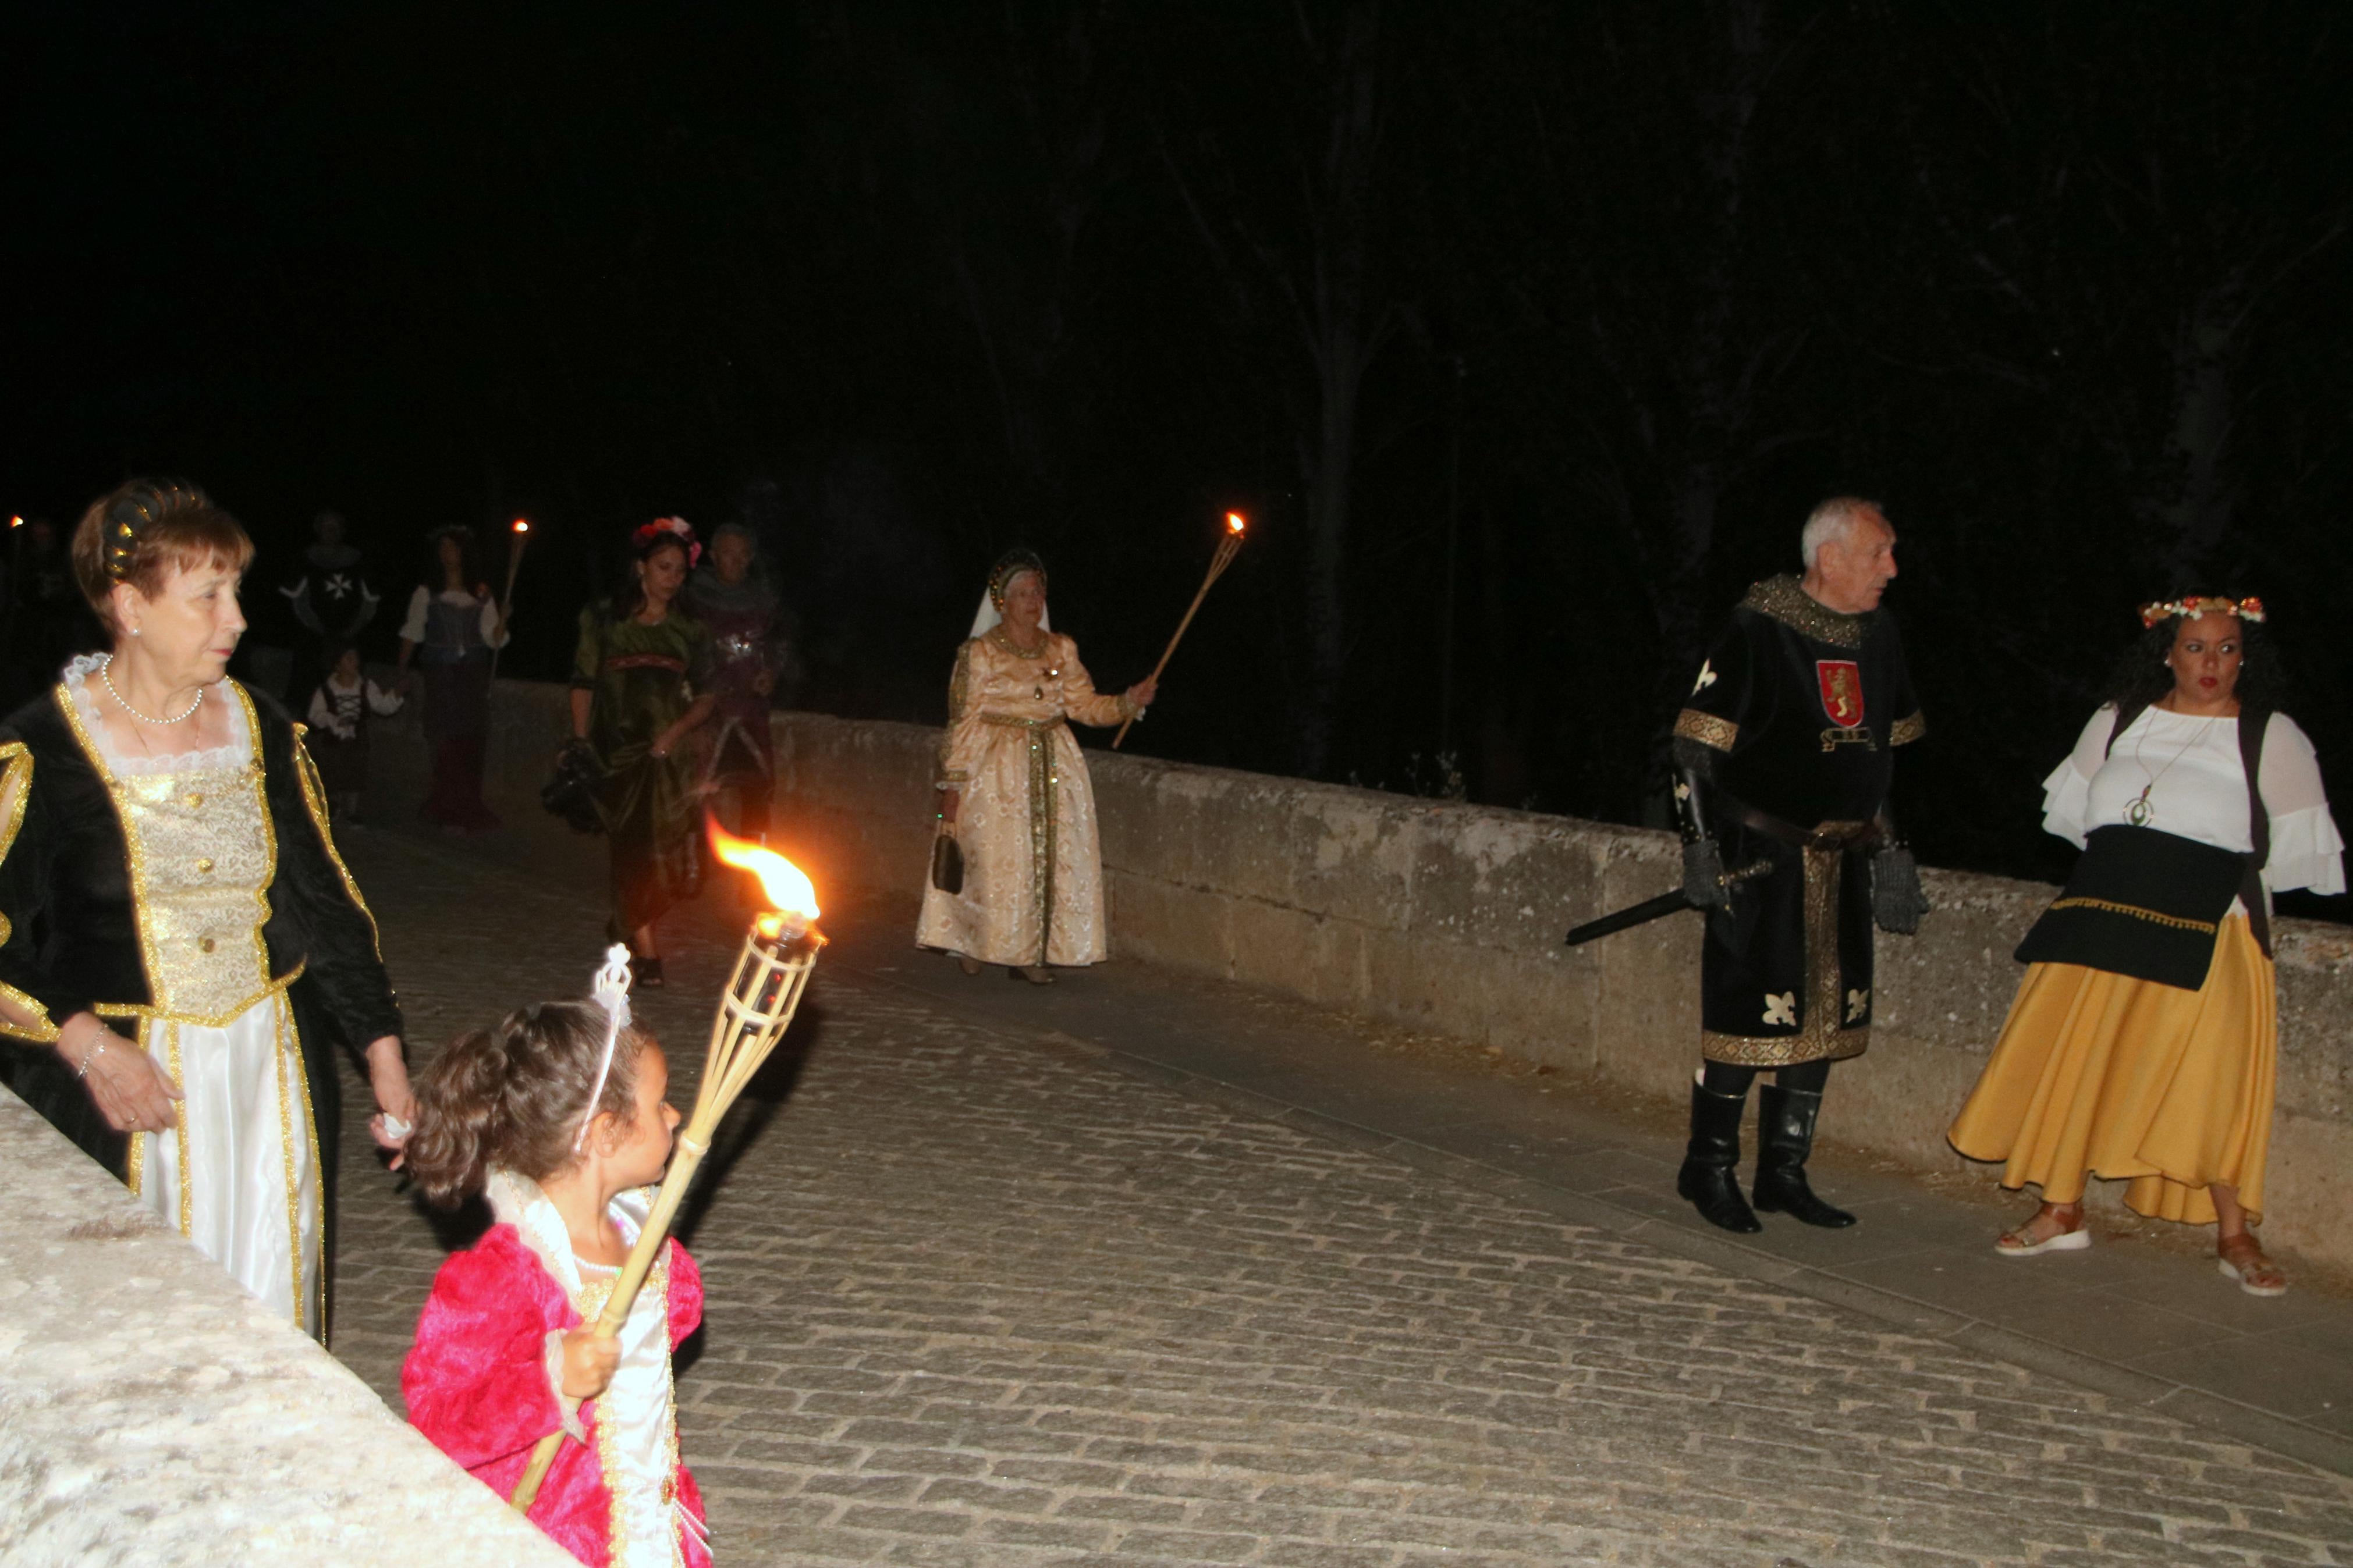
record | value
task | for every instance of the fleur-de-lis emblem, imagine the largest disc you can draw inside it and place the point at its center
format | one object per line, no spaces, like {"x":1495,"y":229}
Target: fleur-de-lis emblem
{"x":1781,"y":1009}
{"x":1683,"y":790}
{"x":1858,"y":1003}
{"x":1706,"y":676}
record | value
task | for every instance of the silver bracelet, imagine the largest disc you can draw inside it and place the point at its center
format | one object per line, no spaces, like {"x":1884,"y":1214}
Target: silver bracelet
{"x":83,"y":1070}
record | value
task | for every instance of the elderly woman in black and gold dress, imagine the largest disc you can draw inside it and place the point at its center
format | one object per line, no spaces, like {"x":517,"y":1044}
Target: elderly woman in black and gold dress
{"x":171,"y":904}
{"x":1014,"y":789}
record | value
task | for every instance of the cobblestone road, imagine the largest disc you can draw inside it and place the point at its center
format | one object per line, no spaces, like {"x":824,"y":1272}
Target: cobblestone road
{"x":980,"y":1298}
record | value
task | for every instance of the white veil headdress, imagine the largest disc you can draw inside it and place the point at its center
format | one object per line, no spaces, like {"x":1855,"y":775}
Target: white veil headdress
{"x":1001,"y":577}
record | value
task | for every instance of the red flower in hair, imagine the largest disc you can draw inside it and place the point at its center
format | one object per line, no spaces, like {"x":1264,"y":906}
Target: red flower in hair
{"x":667,"y":531}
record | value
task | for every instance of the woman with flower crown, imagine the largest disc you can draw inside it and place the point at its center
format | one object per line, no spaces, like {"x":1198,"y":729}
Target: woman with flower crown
{"x":641,"y":686}
{"x":179,"y":941}
{"x":1014,"y":792}
{"x":2144,"y":1039}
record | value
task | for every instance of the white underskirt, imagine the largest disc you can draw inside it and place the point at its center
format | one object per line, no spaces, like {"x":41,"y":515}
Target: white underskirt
{"x":249,"y":1197}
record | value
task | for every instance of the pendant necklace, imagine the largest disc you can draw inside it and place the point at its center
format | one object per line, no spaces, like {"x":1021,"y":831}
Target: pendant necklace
{"x":2141,"y":811}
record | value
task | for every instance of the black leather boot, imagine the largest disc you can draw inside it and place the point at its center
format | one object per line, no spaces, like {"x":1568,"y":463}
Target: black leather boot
{"x":1785,"y":1136}
{"x":1707,"y":1179}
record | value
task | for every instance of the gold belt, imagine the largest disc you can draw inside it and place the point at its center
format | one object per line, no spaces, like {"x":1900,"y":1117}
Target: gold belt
{"x":1011,"y":722}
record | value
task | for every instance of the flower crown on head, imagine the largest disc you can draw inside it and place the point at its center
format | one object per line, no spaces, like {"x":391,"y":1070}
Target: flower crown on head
{"x":2247,"y":609}
{"x":666,"y":530}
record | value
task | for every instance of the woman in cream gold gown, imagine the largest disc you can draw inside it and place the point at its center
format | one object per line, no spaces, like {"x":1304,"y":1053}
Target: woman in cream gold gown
{"x":1014,"y":789}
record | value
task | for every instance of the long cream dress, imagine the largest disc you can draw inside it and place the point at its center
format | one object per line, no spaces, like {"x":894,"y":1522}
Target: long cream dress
{"x":1032,"y":864}
{"x":238,"y":1172}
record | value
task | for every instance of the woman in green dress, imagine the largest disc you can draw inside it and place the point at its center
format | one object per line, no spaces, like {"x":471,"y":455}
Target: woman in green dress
{"x":640,"y":685}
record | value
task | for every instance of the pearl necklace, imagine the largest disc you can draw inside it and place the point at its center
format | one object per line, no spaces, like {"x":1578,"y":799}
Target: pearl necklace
{"x":107,"y":680}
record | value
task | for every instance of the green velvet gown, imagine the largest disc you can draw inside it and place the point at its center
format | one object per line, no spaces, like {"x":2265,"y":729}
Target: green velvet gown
{"x":643,"y":678}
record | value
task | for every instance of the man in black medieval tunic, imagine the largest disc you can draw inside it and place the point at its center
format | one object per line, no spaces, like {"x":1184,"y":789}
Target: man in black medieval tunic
{"x":1783,"y":756}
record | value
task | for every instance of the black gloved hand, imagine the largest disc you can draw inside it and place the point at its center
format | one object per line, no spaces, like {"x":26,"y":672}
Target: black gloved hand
{"x":1896,"y":901}
{"x":1704,"y":885}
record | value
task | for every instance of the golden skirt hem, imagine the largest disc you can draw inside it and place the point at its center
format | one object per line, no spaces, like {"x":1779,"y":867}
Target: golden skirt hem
{"x":2102,"y":1074}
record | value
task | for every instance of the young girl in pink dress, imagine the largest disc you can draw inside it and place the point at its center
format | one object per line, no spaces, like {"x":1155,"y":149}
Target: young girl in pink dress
{"x":557,"y":1115}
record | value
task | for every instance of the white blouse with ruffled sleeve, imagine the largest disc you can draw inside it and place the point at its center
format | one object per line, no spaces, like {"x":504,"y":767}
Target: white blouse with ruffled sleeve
{"x":2189,"y":771}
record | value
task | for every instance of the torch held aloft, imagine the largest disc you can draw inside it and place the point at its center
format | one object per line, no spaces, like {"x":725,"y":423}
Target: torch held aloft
{"x":1228,"y":546}
{"x":772,"y":971}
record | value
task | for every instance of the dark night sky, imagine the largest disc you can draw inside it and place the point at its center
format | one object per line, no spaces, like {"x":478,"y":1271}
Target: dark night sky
{"x":1592,"y":301}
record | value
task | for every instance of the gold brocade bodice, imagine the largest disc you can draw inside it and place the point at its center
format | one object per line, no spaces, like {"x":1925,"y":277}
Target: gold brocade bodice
{"x":201,"y":862}
{"x":202,"y":856}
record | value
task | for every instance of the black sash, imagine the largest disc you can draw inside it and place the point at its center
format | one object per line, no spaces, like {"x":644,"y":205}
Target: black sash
{"x":2141,"y":903}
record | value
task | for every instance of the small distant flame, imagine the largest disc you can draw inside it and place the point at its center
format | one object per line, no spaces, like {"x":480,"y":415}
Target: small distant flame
{"x":521,"y":526}
{"x":1233,"y":522}
{"x":16,"y":522}
{"x":791,"y":898}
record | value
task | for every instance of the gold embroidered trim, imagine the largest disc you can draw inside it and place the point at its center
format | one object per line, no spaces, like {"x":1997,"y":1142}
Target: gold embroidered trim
{"x":43,"y":1032}
{"x":1903,"y":732}
{"x":2137,"y":912}
{"x":1706,"y":728}
{"x":959,"y":691}
{"x":317,"y":1179}
{"x":286,"y":1161}
{"x":1817,"y":1030}
{"x":150,"y":961}
{"x":1042,"y":780}
{"x":314,"y":801}
{"x":17,"y":793}
{"x":180,"y":1128}
{"x":1820,"y":1036}
{"x":135,"y":1174}
{"x":997,"y":639}
{"x":1011,"y":722}
{"x":590,"y":1302}
{"x":1784,"y":600}
{"x":1778,"y":1050}
{"x":144,"y":1014}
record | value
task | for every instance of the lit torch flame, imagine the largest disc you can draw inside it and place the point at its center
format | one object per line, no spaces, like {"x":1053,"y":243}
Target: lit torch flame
{"x":16,"y":522}
{"x":521,"y":526}
{"x":792,"y":899}
{"x":1233,"y":522}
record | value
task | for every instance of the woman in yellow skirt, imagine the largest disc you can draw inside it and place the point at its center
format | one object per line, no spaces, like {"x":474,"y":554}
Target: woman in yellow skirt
{"x":2143,"y":1044}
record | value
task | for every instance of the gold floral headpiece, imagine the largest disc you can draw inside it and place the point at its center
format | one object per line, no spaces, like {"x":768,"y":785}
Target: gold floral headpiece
{"x":1010,"y":565}
{"x":132,"y":513}
{"x":2247,"y":609}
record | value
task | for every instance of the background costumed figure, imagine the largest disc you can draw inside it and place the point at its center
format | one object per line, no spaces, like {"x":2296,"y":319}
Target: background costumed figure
{"x":1014,"y":789}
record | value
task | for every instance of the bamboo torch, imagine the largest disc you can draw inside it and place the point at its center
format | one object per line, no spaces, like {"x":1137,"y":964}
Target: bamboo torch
{"x":1228,"y":544}
{"x":518,"y":536}
{"x":772,"y":971}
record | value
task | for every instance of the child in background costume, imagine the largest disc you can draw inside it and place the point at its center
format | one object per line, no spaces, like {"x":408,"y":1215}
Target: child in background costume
{"x":558,"y":1115}
{"x":338,"y":718}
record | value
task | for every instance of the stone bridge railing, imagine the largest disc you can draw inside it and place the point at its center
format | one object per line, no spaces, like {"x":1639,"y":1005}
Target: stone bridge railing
{"x":1448,"y":917}
{"x":152,"y":1412}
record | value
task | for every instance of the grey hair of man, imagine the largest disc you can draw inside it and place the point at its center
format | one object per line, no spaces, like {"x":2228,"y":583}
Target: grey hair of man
{"x":1833,"y":519}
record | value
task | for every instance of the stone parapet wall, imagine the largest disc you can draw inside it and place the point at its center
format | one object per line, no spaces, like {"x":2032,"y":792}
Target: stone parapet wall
{"x":1448,"y":917}
{"x":152,"y":1412}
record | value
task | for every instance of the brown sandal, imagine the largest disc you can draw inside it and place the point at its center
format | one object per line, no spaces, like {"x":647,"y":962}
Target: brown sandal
{"x":2240,"y":1258}
{"x":2023,"y":1243}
